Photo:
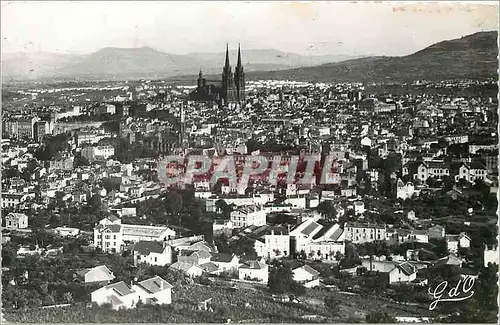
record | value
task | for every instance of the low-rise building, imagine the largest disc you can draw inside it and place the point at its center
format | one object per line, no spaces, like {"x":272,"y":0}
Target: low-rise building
{"x":154,"y":291}
{"x":152,"y":253}
{"x":16,"y":221}
{"x":307,"y":276}
{"x":364,"y":232}
{"x":251,"y":215}
{"x":254,"y":271}
{"x":98,"y":274}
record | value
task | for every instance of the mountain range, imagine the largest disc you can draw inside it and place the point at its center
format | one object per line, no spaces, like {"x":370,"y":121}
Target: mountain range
{"x":146,"y":62}
{"x":473,"y":56}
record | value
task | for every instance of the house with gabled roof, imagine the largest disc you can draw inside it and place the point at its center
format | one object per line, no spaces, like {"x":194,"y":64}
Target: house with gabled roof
{"x":403,"y":272}
{"x":152,"y":253}
{"x":306,"y":275}
{"x":98,"y":274}
{"x":119,"y":295}
{"x":225,"y":262}
{"x":449,"y":260}
{"x":194,"y":257}
{"x":16,"y":221}
{"x":190,"y":269}
{"x":210,"y":268}
{"x":154,"y":291}
{"x":255,"y":271}
{"x":471,"y":172}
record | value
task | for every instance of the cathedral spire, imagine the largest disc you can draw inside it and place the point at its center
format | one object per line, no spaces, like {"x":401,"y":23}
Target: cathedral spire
{"x":227,"y":56}
{"x":239,"y":57}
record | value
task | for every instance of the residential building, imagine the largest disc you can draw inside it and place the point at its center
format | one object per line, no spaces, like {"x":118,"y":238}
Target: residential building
{"x":491,"y":255}
{"x":152,"y":253}
{"x":361,"y":233}
{"x":436,"y":232}
{"x":110,"y":234}
{"x":436,"y":169}
{"x":16,"y":221}
{"x":225,"y":262}
{"x":251,"y":215}
{"x":67,"y":232}
{"x":277,"y":245}
{"x":403,"y":272}
{"x":119,"y":295}
{"x":98,"y":274}
{"x":255,"y":271}
{"x":98,"y":152}
{"x":194,"y":257}
{"x":472,"y":172}
{"x":154,"y":291}
{"x":306,"y":275}
{"x":191,"y":270}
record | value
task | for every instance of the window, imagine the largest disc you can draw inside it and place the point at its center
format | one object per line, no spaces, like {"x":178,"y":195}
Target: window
{"x":156,"y":259}
{"x":107,"y":237}
{"x":114,"y":236}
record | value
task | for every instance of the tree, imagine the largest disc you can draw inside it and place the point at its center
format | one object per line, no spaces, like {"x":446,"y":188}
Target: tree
{"x":380,"y":317}
{"x":281,"y":281}
{"x":174,"y":203}
{"x":332,"y":304}
{"x":327,"y":209}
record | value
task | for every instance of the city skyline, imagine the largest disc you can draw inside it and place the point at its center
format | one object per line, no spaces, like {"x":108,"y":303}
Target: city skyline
{"x":318,"y":28}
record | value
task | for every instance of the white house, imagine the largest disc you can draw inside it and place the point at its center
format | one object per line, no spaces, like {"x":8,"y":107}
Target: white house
{"x":190,"y":269}
{"x":463,"y":240}
{"x":152,"y":253}
{"x":457,"y":241}
{"x":276,"y":245}
{"x":110,"y":234}
{"x":154,"y":291}
{"x":472,"y":172}
{"x":251,"y":215}
{"x":254,"y":270}
{"x":435,"y":168}
{"x":359,"y":207}
{"x":96,"y":274}
{"x":67,"y":232}
{"x":404,"y":272}
{"x":306,"y":275}
{"x":16,"y":221}
{"x":119,"y":295}
{"x":404,"y":191}
{"x":225,"y":262}
{"x":491,"y":256}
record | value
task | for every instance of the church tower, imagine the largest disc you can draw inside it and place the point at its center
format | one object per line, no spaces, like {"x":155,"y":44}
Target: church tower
{"x":229,"y":91}
{"x":239,"y":77}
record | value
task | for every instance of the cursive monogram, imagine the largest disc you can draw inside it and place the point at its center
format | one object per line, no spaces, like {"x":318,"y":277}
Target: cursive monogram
{"x":454,"y":294}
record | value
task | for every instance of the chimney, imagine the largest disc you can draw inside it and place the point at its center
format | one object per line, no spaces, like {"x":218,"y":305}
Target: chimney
{"x":162,"y":286}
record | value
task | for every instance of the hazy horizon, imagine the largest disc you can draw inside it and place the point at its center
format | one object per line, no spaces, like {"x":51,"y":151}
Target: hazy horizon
{"x":318,"y":28}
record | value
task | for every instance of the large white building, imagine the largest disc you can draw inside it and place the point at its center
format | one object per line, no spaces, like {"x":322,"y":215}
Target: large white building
{"x":250,"y":215}
{"x":359,"y":233}
{"x":472,"y":172}
{"x":110,"y":234}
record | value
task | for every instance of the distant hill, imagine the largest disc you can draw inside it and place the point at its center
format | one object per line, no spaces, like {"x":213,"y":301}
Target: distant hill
{"x":146,"y":62}
{"x":473,"y":56}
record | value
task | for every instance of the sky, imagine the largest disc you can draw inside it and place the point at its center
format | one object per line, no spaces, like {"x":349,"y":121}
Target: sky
{"x":314,"y":28}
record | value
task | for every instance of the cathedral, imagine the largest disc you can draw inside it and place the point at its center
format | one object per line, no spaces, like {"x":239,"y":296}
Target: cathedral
{"x":231,"y":90}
